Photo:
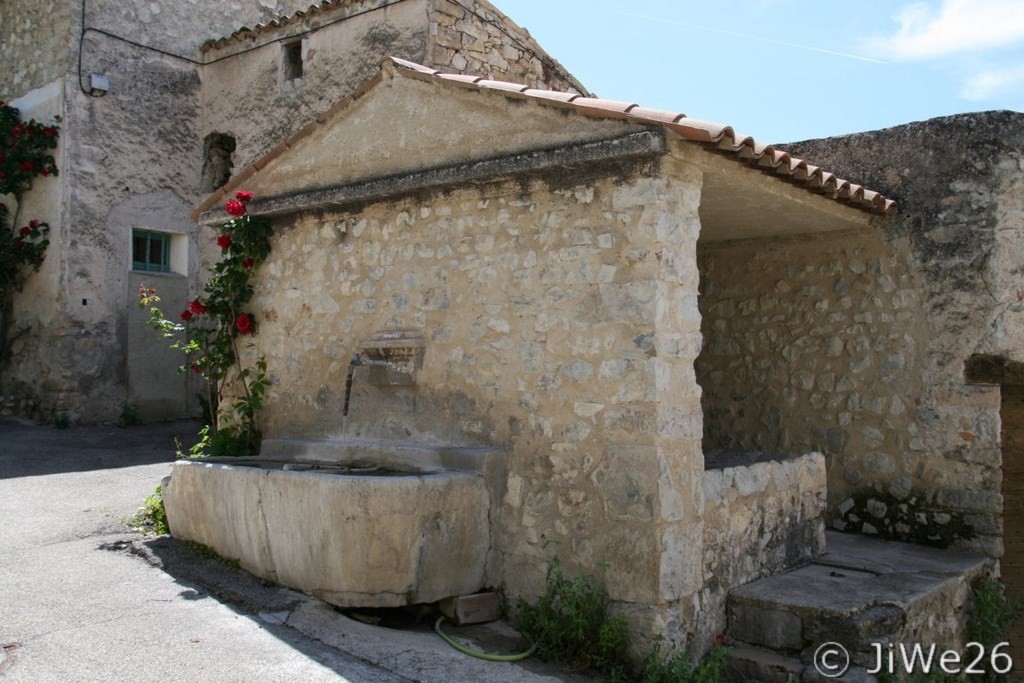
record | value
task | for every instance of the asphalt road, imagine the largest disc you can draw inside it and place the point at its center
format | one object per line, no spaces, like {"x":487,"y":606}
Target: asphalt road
{"x":72,"y":610}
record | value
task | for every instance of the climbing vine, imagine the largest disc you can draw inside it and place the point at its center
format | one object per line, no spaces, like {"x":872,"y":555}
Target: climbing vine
{"x":211,"y":328}
{"x":25,"y":154}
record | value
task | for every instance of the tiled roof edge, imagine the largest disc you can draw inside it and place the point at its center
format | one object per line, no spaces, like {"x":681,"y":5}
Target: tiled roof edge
{"x":715,"y":136}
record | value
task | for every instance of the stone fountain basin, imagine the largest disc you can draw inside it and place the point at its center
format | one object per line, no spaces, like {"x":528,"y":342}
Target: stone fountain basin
{"x":416,"y":533}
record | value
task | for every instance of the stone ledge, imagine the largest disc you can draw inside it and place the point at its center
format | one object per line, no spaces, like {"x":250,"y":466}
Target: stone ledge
{"x":640,"y":145}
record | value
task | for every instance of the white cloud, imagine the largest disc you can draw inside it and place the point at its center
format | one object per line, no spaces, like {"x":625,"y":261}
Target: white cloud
{"x":988,"y":84}
{"x":954,"y":26}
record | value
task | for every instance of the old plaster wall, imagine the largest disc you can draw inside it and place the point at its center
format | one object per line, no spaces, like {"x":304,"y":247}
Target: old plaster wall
{"x":959,"y":182}
{"x":247,"y":93}
{"x":34,"y":46}
{"x":36,"y":321}
{"x":559,"y":320}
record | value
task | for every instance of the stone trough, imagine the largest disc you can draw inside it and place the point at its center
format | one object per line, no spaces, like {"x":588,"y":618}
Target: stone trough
{"x":354,"y":523}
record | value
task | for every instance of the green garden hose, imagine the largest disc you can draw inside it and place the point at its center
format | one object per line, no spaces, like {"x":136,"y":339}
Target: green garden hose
{"x":482,"y":655}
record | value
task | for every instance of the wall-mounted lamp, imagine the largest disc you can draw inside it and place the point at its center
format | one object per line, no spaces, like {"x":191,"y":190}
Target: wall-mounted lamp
{"x":98,"y":85}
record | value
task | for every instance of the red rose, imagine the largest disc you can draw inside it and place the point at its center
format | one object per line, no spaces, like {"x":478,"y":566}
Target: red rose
{"x":19,"y":244}
{"x":248,"y":263}
{"x":243,"y":324}
{"x":186,"y":315}
{"x":196,"y":307}
{"x":28,"y":166}
{"x":33,"y":224}
{"x":196,"y":369}
{"x":45,"y":173}
{"x":235,"y":208}
{"x":224,"y":241}
{"x":243,"y":196}
{"x":25,"y":231}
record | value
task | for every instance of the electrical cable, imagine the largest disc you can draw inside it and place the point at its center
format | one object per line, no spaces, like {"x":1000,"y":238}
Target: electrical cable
{"x":515,"y":657}
{"x":128,"y":41}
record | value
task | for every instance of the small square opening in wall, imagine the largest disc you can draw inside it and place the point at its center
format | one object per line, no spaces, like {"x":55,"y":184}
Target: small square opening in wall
{"x":151,"y":251}
{"x":291,"y":54}
{"x":159,"y":252}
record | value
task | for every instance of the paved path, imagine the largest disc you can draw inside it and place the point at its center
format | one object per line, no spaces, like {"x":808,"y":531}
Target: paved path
{"x":82,"y":598}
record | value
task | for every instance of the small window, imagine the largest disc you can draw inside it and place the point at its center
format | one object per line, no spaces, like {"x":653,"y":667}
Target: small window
{"x":292,"y":54}
{"x":151,"y":251}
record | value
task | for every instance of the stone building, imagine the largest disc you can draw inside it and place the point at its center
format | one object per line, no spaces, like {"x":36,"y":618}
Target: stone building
{"x":548,"y":283}
{"x":157,"y":109}
{"x":616,"y":299}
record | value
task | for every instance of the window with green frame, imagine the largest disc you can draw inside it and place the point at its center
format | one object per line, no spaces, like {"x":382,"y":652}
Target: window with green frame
{"x":151,"y":251}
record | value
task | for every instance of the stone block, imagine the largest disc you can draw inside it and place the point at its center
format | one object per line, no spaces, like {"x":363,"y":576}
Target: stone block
{"x":767,"y":626}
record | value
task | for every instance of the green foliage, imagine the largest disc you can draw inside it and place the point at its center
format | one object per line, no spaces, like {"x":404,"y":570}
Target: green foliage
{"x":60,"y":419}
{"x":679,"y":669}
{"x":989,"y":622}
{"x":130,"y":415}
{"x":570,"y":624}
{"x":24,"y":150}
{"x":152,"y":518}
{"x":210,"y":330}
{"x":992,"y":613}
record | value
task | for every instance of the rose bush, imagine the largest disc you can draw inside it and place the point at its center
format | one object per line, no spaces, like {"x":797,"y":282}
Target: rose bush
{"x":210,"y":330}
{"x":25,"y":148}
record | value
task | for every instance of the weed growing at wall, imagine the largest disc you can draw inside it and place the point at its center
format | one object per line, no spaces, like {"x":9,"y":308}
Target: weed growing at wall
{"x":151,"y":517}
{"x":991,"y":617}
{"x":570,"y":624}
{"x":211,"y":328}
{"x":25,"y":148}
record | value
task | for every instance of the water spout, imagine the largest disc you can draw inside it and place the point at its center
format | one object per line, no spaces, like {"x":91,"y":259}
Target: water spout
{"x":359,"y":361}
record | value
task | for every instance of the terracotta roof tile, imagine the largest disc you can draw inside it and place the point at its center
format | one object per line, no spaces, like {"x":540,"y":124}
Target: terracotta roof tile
{"x":660,"y":115}
{"x":742,"y":147}
{"x":503,"y":85}
{"x":462,"y":78}
{"x":553,"y":95}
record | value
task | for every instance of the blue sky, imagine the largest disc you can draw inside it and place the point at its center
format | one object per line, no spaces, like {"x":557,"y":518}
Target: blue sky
{"x":786,"y":70}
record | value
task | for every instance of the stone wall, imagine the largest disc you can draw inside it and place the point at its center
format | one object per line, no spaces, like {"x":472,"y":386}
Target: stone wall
{"x":820,"y":344}
{"x":550,"y":329}
{"x":959,"y":181}
{"x":34,"y":45}
{"x":762,"y":515}
{"x":856,"y":345}
{"x":145,"y":138}
{"x":476,"y":38}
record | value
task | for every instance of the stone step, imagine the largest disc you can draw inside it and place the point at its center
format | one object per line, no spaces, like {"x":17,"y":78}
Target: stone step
{"x":750,"y":664}
{"x":862,"y":591}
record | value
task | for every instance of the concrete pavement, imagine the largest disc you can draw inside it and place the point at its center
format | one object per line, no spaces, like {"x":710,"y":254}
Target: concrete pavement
{"x":83,"y":598}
